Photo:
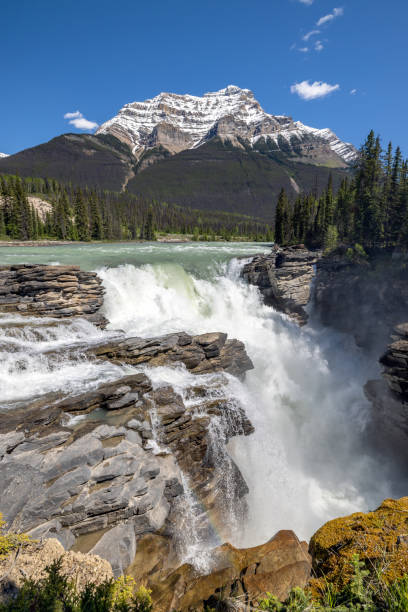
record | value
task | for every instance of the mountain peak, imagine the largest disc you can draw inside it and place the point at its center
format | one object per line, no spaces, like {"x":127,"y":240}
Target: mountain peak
{"x":230,"y":90}
{"x":178,"y":122}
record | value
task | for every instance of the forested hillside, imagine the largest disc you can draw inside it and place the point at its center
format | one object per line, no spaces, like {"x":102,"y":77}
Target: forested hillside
{"x":91,"y":214}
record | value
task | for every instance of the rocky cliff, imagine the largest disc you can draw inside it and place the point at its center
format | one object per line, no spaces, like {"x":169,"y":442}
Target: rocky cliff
{"x":365,"y":298}
{"x":284,"y":278}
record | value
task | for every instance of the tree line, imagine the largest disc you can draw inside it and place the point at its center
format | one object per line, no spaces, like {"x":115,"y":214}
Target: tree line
{"x":370,"y":209}
{"x":91,"y":214}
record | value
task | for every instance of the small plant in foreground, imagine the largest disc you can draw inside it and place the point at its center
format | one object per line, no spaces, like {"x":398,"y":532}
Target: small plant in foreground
{"x":10,"y":541}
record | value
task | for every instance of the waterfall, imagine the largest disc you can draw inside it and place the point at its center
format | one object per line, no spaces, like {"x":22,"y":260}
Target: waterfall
{"x":306,"y":461}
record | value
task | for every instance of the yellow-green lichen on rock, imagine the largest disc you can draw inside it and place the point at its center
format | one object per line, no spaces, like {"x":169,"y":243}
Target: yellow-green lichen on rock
{"x":379,"y":538}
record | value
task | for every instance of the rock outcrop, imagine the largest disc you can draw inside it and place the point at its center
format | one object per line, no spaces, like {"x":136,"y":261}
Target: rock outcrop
{"x":201,"y":354}
{"x":71,"y":470}
{"x":379,"y":538}
{"x":284,"y":278}
{"x":395,"y":362}
{"x":237,"y":575}
{"x":30,"y":561}
{"x":54,"y":291}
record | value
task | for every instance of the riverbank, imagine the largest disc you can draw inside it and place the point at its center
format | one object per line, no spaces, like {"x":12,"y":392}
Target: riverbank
{"x":169,"y":239}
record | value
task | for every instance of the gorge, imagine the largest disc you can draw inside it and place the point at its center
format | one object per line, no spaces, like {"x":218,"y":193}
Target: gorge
{"x":155,"y":399}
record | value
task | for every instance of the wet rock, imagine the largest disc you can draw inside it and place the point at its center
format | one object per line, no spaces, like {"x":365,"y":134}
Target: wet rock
{"x":54,"y":291}
{"x":83,"y":479}
{"x":284,"y":278}
{"x":379,"y":538}
{"x":395,"y":363}
{"x":277,"y":566}
{"x":118,"y":547}
{"x":200,"y":354}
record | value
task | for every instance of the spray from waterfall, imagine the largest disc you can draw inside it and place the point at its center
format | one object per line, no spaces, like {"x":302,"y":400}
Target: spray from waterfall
{"x":305,"y":462}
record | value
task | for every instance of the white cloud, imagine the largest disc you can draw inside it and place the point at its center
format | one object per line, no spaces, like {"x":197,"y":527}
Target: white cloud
{"x":318,"y":45}
{"x":337,"y":12}
{"x":311,"y":91}
{"x":303,"y":49}
{"x":309,"y":2}
{"x":311,"y":33}
{"x":78,"y":120}
{"x":72,"y":115}
{"x":353,"y":92}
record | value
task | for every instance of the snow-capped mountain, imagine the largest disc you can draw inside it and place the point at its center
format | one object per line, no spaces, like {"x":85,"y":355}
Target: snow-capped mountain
{"x":180,"y":122}
{"x":3,"y":155}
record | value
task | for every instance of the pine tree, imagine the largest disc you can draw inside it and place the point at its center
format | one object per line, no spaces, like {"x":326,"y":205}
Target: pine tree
{"x":282,"y":219}
{"x":81,"y":217}
{"x":96,"y":219}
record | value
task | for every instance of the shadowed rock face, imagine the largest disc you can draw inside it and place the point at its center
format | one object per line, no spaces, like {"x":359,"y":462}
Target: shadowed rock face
{"x":284,"y":278}
{"x":54,"y":291}
{"x":366,"y":299}
{"x":395,"y":362}
{"x":246,"y":574}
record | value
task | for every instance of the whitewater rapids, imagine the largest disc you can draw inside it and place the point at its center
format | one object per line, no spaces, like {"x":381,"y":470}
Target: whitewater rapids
{"x":304,"y":463}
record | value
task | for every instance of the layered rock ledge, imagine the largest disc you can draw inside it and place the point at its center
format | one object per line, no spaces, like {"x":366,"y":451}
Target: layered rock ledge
{"x":284,"y":278}
{"x":200,"y":354}
{"x":54,"y":291}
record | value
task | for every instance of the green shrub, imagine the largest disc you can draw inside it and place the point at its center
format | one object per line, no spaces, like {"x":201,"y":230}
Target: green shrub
{"x":10,"y":541}
{"x":356,"y":253}
{"x":56,"y":593}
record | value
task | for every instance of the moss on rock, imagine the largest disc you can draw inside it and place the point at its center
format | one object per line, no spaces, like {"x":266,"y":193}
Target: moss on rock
{"x":379,"y":538}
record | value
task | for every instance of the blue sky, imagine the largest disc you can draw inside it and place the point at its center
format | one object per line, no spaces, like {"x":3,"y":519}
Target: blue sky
{"x":93,"y":56}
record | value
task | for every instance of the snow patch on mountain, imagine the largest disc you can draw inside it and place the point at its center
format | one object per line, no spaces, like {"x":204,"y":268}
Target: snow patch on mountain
{"x":178,"y":122}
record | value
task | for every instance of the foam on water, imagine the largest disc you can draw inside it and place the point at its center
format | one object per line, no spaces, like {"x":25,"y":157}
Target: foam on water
{"x":42,"y":355}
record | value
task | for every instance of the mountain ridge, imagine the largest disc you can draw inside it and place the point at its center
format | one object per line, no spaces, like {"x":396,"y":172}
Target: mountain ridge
{"x":182,"y":121}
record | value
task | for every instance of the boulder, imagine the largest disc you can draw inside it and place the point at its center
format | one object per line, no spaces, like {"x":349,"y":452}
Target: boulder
{"x":379,"y":538}
{"x":241,"y":574}
{"x":29,"y":562}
